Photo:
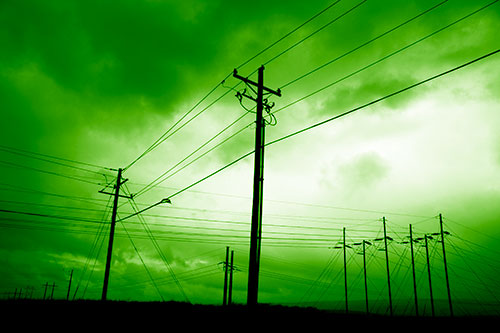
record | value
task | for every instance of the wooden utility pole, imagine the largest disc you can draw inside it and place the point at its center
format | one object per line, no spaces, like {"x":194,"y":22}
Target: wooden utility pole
{"x":226,"y":268}
{"x":69,"y":285}
{"x":445,"y":265}
{"x":230,"y":287}
{"x":345,"y":271}
{"x":413,"y":270}
{"x":429,"y":273}
{"x":258,"y":181}
{"x":46,"y":285}
{"x":364,"y":270}
{"x":387,"y":266}
{"x":52,"y":293}
{"x":116,"y":195}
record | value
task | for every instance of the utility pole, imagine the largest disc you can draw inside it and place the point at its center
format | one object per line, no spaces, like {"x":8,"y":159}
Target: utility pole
{"x":69,"y":285}
{"x":231,"y":269}
{"x":226,"y":267}
{"x":52,"y":293}
{"x":116,"y":195}
{"x":46,"y":285}
{"x":387,"y":265}
{"x":258,"y":181}
{"x":413,"y":270}
{"x":445,"y":264}
{"x":364,"y":270}
{"x":429,"y":273}
{"x":345,"y":271}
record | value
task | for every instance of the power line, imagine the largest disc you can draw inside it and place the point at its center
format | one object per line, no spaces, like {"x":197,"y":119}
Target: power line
{"x":384,"y":58}
{"x":316,"y":31}
{"x":20,"y":153}
{"x":20,"y":166}
{"x":24,"y":152}
{"x":166,"y":134}
{"x":335,"y":118}
{"x":289,"y":33}
{"x":364,"y":44}
{"x":157,"y":180}
{"x":383,"y":98}
{"x":157,"y":247}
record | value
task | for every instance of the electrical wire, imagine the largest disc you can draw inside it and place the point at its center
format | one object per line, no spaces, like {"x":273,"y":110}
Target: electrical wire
{"x":363,"y":45}
{"x":20,"y":166}
{"x":157,"y":180}
{"x":167,"y":133}
{"x":27,"y":152}
{"x":378,"y":100}
{"x":289,"y":33}
{"x":387,"y":56}
{"x":316,"y":31}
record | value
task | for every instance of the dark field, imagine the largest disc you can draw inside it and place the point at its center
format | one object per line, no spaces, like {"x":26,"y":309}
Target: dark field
{"x":175,"y":316}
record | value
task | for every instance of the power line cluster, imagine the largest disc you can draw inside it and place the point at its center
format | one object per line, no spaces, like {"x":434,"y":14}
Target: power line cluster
{"x":306,"y":232}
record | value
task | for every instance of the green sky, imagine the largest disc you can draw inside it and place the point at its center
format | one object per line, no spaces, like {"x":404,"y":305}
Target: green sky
{"x":99,"y":81}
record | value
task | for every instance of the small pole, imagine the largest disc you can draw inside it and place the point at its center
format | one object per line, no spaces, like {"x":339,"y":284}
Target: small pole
{"x":387,"y":265}
{"x":231,"y":269}
{"x":226,"y":267}
{"x":413,"y":270}
{"x":445,"y":265}
{"x":345,"y":272}
{"x":45,"y":290}
{"x":429,"y":274}
{"x":69,"y":285}
{"x":364,"y":269}
{"x":52,"y":293}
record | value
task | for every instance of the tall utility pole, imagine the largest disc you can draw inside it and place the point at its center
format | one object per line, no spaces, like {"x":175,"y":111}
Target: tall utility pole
{"x":413,"y":270}
{"x":258,"y":181}
{"x":116,"y":195}
{"x":230,"y":287}
{"x":445,"y":264}
{"x":429,"y":273}
{"x":387,"y":266}
{"x":364,"y":270}
{"x":226,"y":268}
{"x":345,"y":271}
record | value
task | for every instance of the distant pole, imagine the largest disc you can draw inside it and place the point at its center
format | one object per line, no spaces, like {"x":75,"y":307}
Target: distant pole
{"x":45,"y":290}
{"x":258,"y":184}
{"x":52,"y":293}
{"x":364,"y":270}
{"x":387,"y":266}
{"x":111,"y":236}
{"x":345,"y":272}
{"x":69,"y":285}
{"x":445,"y":264}
{"x":226,"y":267}
{"x":413,"y":270}
{"x":429,"y":274}
{"x":231,"y":269}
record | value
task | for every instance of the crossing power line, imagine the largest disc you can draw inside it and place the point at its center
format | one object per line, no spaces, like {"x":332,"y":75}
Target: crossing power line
{"x":378,"y":100}
{"x":170,"y":131}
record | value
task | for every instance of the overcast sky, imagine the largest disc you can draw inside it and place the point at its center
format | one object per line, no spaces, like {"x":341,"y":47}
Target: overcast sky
{"x":98,"y":82}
